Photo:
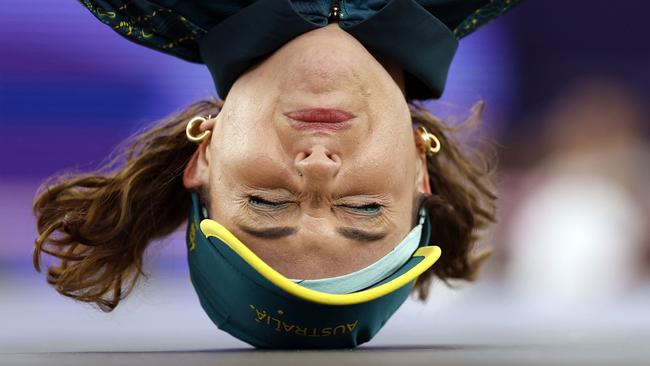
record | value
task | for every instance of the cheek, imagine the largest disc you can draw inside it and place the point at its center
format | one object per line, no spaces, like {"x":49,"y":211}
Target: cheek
{"x":243,"y":132}
{"x":383,"y":172}
{"x":250,"y":163}
{"x":393,"y":151}
{"x":247,"y":110}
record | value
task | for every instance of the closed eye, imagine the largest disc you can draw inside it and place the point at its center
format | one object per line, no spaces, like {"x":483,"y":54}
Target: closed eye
{"x":278,"y":204}
{"x":266,"y":204}
{"x":366,"y":210}
{"x":369,"y":208}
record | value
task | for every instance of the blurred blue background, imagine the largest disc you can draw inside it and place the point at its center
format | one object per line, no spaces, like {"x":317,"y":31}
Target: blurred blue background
{"x":566,"y":86}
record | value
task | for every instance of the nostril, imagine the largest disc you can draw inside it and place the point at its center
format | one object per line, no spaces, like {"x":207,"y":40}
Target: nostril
{"x":335,"y":158}
{"x":301,"y":156}
{"x":317,"y":163}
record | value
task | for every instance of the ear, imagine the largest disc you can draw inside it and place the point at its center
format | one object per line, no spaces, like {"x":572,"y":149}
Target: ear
{"x":422,"y":174}
{"x":197,"y":170}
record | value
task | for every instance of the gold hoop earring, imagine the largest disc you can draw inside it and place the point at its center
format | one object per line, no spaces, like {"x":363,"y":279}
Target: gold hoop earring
{"x":191,"y":125}
{"x":430,"y":144}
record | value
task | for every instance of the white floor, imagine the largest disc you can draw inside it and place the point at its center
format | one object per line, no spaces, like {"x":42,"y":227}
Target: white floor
{"x":164,"y":315}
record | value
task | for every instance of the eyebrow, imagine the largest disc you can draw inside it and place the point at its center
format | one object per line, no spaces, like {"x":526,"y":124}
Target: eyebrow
{"x":360,"y":235}
{"x":284,"y":231}
{"x":269,"y":233}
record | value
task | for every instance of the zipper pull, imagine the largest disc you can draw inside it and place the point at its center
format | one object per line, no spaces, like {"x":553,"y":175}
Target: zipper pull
{"x":335,"y":11}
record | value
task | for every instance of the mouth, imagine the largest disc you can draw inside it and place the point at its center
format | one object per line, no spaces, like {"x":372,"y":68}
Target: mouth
{"x":320,"y":119}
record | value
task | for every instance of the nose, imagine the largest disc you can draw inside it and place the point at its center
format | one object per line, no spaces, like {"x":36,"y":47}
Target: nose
{"x":317,"y":164}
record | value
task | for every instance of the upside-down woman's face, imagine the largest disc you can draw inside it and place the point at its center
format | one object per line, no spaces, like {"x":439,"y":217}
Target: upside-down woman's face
{"x":314,"y":199}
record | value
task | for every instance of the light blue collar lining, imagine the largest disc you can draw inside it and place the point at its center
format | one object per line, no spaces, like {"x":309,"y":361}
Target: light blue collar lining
{"x":375,"y":272}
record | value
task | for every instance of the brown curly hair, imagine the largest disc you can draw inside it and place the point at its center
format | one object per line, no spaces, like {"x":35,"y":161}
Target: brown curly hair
{"x":99,"y":224}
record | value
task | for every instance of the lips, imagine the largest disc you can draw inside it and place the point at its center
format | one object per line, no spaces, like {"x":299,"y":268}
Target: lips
{"x":322,"y":115}
{"x":320,"y":119}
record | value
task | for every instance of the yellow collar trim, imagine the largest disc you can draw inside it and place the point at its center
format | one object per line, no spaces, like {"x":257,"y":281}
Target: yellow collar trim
{"x":430,"y":254}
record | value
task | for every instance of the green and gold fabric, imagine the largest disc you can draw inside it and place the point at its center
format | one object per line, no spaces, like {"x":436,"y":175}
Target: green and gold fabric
{"x":247,"y":298}
{"x":229,"y":36}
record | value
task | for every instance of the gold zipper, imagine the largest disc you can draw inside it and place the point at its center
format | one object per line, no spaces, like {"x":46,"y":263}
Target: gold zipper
{"x":335,"y":11}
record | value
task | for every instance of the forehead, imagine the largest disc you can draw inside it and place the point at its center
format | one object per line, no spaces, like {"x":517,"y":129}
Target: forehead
{"x":314,"y":247}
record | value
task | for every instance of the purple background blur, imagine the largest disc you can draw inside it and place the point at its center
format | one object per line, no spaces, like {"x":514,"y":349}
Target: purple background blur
{"x":71,"y":89}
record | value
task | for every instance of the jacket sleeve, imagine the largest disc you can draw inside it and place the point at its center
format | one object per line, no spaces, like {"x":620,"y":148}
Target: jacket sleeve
{"x":168,"y":26}
{"x":175,"y":27}
{"x":465,"y":16}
